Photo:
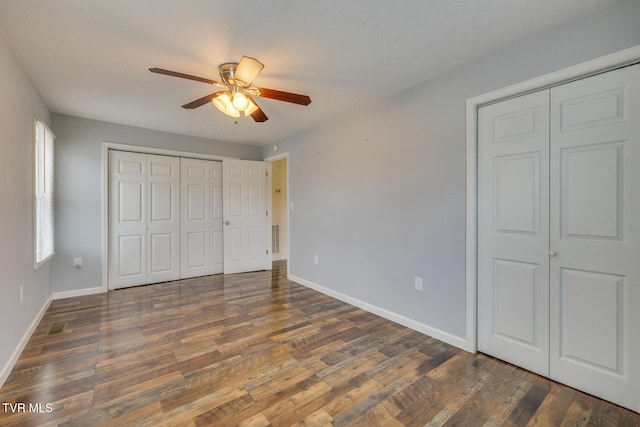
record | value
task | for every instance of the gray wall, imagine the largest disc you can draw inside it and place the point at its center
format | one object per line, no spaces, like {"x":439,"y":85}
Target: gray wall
{"x":79,"y":188}
{"x":380,"y":194}
{"x":19,"y":104}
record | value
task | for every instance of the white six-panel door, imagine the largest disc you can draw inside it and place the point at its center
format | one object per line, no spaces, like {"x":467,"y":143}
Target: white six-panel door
{"x":144,"y":219}
{"x":201,"y":218}
{"x":595,"y":232}
{"x":163,"y":220}
{"x":127,"y":219}
{"x":513,"y":265}
{"x":559,"y":234}
{"x":245,"y":216}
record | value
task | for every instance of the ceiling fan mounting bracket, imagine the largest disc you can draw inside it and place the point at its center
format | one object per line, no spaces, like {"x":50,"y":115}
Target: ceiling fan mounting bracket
{"x":228,"y":72}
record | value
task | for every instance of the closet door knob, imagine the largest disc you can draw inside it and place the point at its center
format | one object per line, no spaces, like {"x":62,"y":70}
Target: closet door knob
{"x":226,"y":223}
{"x":552,"y":253}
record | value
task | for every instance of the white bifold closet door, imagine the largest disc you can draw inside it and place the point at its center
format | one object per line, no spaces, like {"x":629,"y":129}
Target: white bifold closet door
{"x":559,"y":233}
{"x":144,"y":215}
{"x":595,"y":231}
{"x":513,"y":238}
{"x":167,"y":216}
{"x":201,"y":218}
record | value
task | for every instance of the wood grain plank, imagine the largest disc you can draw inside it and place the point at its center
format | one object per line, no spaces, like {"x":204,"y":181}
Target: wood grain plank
{"x":258,"y":420}
{"x":527,"y":407}
{"x":440,"y":400}
{"x":288,"y":411}
{"x":320,"y":418}
{"x":554,"y":407}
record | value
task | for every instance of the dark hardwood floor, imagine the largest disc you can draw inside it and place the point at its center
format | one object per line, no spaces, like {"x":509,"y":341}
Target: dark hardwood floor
{"x":257,"y":350}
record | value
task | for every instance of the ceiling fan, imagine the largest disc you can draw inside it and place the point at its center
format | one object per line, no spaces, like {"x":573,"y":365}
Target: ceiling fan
{"x":238,"y":95}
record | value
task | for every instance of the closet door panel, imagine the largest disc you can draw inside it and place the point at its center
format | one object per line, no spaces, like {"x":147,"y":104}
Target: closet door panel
{"x":195,"y":217}
{"x":130,"y":261}
{"x":579,"y":290}
{"x":595,"y":231}
{"x":163,"y":218}
{"x":513,"y":150}
{"x":161,"y":249}
{"x":127,"y":219}
{"x":201,"y":217}
{"x":591,"y":191}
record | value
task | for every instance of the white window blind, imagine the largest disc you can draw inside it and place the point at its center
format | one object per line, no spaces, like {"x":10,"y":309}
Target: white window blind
{"x":43,"y":215}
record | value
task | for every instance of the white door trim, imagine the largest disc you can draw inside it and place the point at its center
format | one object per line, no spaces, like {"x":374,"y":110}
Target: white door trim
{"x":605,"y":63}
{"x":106,"y":146}
{"x":272,"y":159}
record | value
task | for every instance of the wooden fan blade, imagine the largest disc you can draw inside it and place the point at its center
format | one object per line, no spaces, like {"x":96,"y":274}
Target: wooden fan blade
{"x":284,"y":96}
{"x":182,"y":75}
{"x":258,"y":115}
{"x":200,"y":102}
{"x":247,"y":70}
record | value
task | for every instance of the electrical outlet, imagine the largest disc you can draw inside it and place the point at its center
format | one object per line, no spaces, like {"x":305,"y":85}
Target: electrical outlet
{"x":21,"y":293}
{"x":315,"y":259}
{"x":77,"y":263}
{"x":418,"y":283}
{"x":291,"y":205}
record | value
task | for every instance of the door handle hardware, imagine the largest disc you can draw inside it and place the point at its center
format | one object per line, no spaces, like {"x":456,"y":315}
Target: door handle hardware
{"x":226,"y":223}
{"x":552,"y":253}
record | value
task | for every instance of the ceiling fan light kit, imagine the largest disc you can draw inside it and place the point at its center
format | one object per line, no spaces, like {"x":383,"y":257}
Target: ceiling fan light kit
{"x":233,"y":106}
{"x":223,"y":103}
{"x":237,"y":78}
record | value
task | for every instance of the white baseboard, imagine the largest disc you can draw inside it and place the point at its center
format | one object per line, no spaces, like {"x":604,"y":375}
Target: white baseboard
{"x":389,"y":315}
{"x":6,"y":369}
{"x":278,"y":257}
{"x":78,"y":293}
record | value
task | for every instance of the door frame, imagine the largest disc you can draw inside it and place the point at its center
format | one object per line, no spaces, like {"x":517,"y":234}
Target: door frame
{"x":606,"y":63}
{"x":272,"y":159}
{"x":106,"y":146}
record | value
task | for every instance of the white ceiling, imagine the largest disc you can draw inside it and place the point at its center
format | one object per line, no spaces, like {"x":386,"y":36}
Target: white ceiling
{"x":90,"y":58}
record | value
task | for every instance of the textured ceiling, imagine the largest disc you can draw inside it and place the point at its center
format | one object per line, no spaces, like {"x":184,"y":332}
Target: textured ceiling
{"x":90,"y":58}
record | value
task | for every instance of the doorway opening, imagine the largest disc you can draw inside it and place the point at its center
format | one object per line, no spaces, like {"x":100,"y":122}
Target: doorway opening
{"x":279,"y":208}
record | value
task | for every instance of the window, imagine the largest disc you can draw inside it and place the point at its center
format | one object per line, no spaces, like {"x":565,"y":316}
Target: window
{"x":43,"y":204}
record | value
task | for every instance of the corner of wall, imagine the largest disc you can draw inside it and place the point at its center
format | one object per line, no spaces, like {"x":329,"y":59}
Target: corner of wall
{"x":8,"y":366}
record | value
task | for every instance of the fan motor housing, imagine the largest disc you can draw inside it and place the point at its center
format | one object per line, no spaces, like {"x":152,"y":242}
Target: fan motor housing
{"x":227,"y":72}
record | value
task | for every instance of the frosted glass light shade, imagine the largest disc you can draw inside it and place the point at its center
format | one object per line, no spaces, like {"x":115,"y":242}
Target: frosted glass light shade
{"x":247,"y":70}
{"x":224,"y":104}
